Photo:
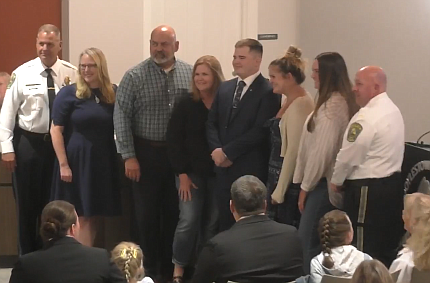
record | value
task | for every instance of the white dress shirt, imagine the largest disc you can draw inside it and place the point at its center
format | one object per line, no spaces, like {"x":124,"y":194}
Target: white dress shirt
{"x":404,"y":263}
{"x":27,"y":97}
{"x":373,"y":143}
{"x":248,"y":81}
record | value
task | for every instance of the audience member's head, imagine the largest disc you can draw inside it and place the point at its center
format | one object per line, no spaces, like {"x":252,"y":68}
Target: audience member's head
{"x":48,"y":44}
{"x":369,"y":82}
{"x":335,"y":230}
{"x":59,"y":219}
{"x":129,"y":259}
{"x":248,"y":197}
{"x":4,"y":81}
{"x":163,"y":46}
{"x":247,"y":57}
{"x":372,"y":271}
{"x":330,"y":76}
{"x":207,"y":76}
{"x":288,"y":71}
{"x":416,"y":215}
{"x":93,"y":73}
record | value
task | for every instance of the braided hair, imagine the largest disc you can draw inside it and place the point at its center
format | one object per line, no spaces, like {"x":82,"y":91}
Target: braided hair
{"x":334,"y":229}
{"x":129,"y":258}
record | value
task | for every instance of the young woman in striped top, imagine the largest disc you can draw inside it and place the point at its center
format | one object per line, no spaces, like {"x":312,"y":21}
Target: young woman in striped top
{"x":320,"y":142}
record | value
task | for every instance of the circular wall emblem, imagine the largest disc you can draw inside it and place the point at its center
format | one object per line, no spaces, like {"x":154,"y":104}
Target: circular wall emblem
{"x":417,"y":179}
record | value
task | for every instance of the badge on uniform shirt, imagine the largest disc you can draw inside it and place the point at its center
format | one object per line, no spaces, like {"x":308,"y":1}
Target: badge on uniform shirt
{"x":12,"y":80}
{"x":353,"y":132}
{"x":67,"y":80}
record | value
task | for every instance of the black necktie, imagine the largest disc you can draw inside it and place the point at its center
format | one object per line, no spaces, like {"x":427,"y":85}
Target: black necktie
{"x":238,"y":94}
{"x":51,"y":91}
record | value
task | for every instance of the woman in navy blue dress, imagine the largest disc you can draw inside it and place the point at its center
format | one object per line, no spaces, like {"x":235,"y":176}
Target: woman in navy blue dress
{"x":82,"y":133}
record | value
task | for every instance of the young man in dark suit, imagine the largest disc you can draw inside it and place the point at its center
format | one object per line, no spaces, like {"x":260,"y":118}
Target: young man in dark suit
{"x":239,"y":143}
{"x":256,"y":249}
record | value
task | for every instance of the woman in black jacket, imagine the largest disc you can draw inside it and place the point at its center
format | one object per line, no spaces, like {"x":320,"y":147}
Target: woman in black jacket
{"x":191,"y":159}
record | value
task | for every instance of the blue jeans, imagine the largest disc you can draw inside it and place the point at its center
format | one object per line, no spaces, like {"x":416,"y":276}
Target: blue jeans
{"x":198,"y":220}
{"x":317,"y":204}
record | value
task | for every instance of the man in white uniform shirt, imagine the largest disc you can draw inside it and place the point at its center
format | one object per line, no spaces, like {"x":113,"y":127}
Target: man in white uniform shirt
{"x":24,"y":131}
{"x":368,"y":167}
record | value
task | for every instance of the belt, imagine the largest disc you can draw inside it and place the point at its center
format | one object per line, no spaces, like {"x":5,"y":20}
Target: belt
{"x":143,"y":141}
{"x":44,"y":137}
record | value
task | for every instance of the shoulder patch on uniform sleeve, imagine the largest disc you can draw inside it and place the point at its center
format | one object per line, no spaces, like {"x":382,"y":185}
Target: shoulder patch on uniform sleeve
{"x":11,"y":81}
{"x":353,"y":132}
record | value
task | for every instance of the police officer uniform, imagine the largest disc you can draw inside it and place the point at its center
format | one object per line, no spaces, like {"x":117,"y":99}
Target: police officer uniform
{"x":24,"y":129}
{"x":369,"y":165}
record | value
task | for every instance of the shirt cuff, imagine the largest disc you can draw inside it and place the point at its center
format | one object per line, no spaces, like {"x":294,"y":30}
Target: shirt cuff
{"x":338,"y":178}
{"x":7,"y":147}
{"x":126,"y":156}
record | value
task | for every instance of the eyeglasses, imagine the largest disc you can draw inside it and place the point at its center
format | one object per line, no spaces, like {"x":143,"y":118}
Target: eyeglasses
{"x":90,"y":66}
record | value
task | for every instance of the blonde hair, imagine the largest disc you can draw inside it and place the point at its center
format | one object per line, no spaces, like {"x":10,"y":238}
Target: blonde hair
{"x":371,"y":271}
{"x":83,"y":90}
{"x":213,"y":64}
{"x":128,"y":257}
{"x":292,"y":63}
{"x":417,"y":206}
{"x":333,"y":229}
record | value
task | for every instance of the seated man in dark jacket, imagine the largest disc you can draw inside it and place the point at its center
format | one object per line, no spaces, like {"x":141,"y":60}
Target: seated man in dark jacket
{"x":256,"y":249}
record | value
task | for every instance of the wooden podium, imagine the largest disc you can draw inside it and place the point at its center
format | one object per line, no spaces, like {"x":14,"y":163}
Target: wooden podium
{"x":416,"y":168}
{"x":8,"y":221}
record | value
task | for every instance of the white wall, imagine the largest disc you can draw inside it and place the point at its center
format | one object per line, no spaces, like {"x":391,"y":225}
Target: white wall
{"x":115,"y":27}
{"x":202,"y":27}
{"x":278,"y":17}
{"x":393,"y":34}
{"x":122,"y":29}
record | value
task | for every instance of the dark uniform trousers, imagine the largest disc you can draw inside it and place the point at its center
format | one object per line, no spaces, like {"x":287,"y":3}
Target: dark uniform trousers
{"x":31,"y":184}
{"x":156,"y":206}
{"x":375,"y":209}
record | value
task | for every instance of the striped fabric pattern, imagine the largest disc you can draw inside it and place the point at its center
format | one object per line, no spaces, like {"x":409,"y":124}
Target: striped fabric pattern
{"x":319,"y":148}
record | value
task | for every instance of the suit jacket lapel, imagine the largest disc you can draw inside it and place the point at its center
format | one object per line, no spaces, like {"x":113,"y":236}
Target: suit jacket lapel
{"x":247,"y":96}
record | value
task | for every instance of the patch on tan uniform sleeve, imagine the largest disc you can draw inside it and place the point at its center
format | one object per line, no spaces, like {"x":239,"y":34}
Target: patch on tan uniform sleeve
{"x":11,"y":81}
{"x":353,"y":132}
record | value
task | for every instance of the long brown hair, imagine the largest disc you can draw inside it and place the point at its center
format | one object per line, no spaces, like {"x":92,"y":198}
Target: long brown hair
{"x":333,"y":228}
{"x":333,"y":77}
{"x":213,"y":64}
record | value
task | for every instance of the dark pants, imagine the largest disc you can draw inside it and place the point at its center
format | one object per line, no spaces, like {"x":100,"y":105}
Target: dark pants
{"x":223,"y":197}
{"x":375,"y":209}
{"x":316,"y":206}
{"x":287,"y":212}
{"x":198,"y":220}
{"x":31,"y":184}
{"x":156,"y":207}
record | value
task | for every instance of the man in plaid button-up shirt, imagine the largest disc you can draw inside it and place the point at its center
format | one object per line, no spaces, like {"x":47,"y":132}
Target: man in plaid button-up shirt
{"x":144,"y":101}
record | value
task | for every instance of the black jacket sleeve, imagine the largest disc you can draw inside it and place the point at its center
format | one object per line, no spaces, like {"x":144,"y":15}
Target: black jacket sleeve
{"x":176,"y":138}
